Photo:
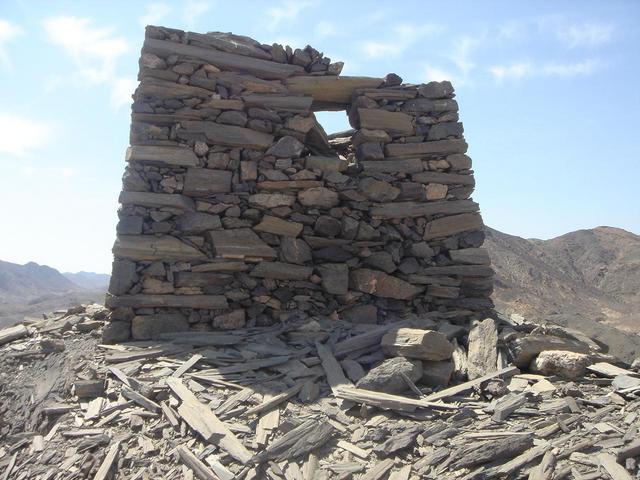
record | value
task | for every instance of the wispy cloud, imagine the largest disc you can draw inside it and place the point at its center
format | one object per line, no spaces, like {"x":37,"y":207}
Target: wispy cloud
{"x":459,"y":62}
{"x":8,"y":32}
{"x":586,"y":34}
{"x":523,"y":69}
{"x":20,"y":136}
{"x":121,"y":92}
{"x":403,"y":36}
{"x":154,"y":13}
{"x":193,"y":9}
{"x":94,"y":50}
{"x":286,"y":11}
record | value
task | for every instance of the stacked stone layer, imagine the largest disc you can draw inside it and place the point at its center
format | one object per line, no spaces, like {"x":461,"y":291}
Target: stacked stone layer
{"x":237,"y":209}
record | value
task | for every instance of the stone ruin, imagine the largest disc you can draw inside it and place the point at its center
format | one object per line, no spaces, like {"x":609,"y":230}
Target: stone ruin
{"x":237,"y":209}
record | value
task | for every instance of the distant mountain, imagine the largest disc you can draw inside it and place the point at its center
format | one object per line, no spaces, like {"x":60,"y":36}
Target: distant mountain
{"x":33,"y":289}
{"x":31,"y":280}
{"x":89,"y":280}
{"x":587,"y":279}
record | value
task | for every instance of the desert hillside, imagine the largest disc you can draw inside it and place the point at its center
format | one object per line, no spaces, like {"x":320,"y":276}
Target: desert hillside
{"x":32,"y":289}
{"x":592,"y":273}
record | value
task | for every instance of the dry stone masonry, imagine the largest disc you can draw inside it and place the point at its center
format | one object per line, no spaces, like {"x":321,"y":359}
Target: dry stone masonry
{"x":239,"y":210}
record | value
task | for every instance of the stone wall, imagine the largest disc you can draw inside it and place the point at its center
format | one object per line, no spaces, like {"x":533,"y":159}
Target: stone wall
{"x":237,"y":209}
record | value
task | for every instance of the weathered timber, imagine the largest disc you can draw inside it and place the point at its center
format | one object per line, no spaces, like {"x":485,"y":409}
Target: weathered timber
{"x":417,"y":209}
{"x":150,"y":247}
{"x":330,"y":91}
{"x":206,"y":423}
{"x":435,"y":148}
{"x":262,"y":68}
{"x":177,"y":301}
{"x":240,"y":243}
{"x":13,"y":333}
{"x":174,"y":156}
{"x":463,"y":387}
{"x":157,"y":200}
{"x":302,"y":440}
{"x":392,"y":122}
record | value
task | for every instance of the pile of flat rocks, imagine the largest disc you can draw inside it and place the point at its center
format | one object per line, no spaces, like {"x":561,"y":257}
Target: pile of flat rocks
{"x":316,"y":399}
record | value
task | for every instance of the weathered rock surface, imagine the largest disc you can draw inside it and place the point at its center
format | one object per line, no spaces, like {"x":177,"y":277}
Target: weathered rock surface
{"x":387,"y":377}
{"x":417,"y":343}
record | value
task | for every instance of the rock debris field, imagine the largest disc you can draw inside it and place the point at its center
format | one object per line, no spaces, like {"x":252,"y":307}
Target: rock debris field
{"x":315,"y":399}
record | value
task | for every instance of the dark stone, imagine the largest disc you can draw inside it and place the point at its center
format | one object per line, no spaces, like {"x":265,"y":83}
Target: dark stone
{"x":335,"y":278}
{"x":129,"y":226}
{"x":294,"y":250}
{"x":377,"y":190}
{"x":440,"y":131}
{"x":123,"y":276}
{"x":116,"y":332}
{"x":361,"y":314}
{"x":286,"y":147}
{"x":434,"y":90}
{"x":327,"y":226}
{"x":196,"y":222}
{"x":392,"y":80}
{"x":369,"y":151}
{"x":386,"y":377}
{"x":409,"y":265}
{"x":331,"y":254}
{"x":232,"y":117}
{"x":147,"y":327}
{"x":472,"y":240}
{"x":422,"y":250}
{"x":381,"y":261}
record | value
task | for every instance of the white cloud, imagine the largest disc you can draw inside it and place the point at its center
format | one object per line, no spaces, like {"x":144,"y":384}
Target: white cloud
{"x":434,"y":74}
{"x":287,"y":10}
{"x":193,"y":9}
{"x":523,"y":69}
{"x":94,"y":50}
{"x":121,"y":92}
{"x":325,"y":29}
{"x":404,"y":35}
{"x":154,"y":13}
{"x":585,"y":35}
{"x":8,"y":31}
{"x":21,"y":136}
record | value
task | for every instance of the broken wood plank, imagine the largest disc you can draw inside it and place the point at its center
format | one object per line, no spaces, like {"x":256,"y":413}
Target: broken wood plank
{"x":13,"y":333}
{"x":194,"y":463}
{"x":613,"y":468}
{"x":186,"y":365}
{"x":379,"y":470}
{"x":607,"y":370}
{"x":357,"y":451}
{"x":335,"y":375}
{"x":463,"y":387}
{"x":275,"y":400}
{"x":303,"y":439}
{"x":387,"y":400}
{"x":140,"y":399}
{"x":107,"y":463}
{"x":206,"y":423}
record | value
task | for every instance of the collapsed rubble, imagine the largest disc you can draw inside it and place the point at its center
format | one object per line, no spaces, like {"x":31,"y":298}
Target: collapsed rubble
{"x":316,"y":399}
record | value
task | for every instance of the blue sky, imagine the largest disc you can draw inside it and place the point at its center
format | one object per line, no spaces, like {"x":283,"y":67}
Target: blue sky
{"x":547,"y":90}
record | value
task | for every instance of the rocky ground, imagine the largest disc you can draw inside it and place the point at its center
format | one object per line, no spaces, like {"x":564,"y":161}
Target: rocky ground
{"x":316,"y":399}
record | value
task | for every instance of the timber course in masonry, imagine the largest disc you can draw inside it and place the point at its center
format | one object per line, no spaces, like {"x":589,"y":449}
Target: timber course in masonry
{"x":238,"y":210}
